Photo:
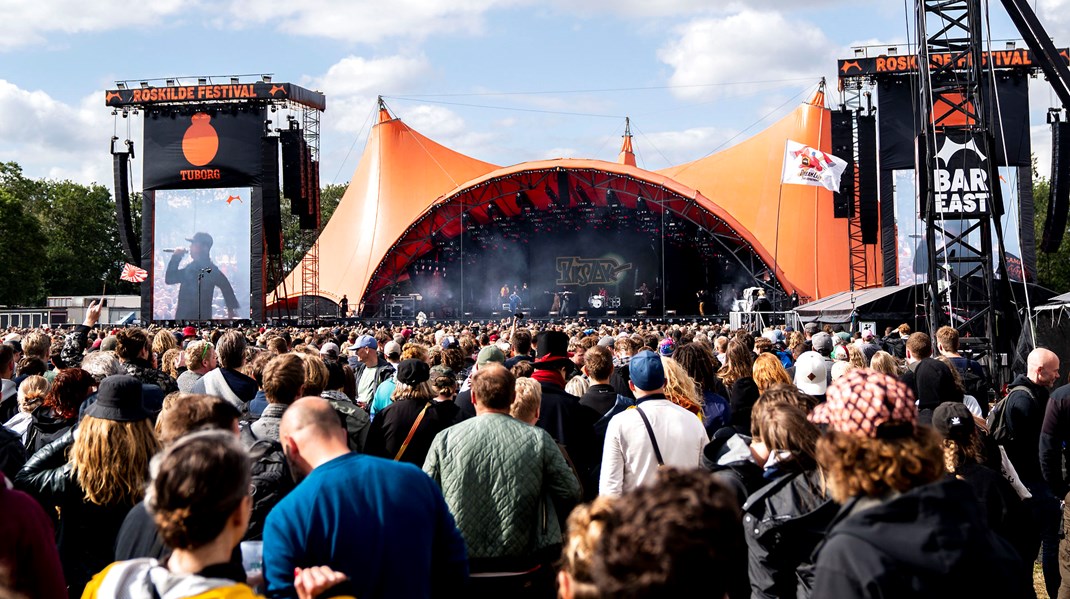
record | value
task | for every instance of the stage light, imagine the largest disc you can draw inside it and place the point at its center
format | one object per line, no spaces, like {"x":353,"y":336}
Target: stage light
{"x":202,"y":81}
{"x":860,"y":52}
{"x":611,"y":199}
{"x":144,"y":84}
{"x":266,"y":78}
{"x":234,"y":81}
{"x":170,"y":83}
{"x":120,"y":85}
{"x":892,"y":50}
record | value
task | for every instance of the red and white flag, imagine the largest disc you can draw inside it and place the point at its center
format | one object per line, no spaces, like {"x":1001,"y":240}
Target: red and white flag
{"x":133,"y":274}
{"x":804,"y":165}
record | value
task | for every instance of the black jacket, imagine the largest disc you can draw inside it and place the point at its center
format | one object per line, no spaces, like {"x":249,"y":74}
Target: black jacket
{"x":741,"y":398}
{"x":930,"y":542}
{"x":619,"y":380}
{"x":1024,"y":419}
{"x":895,"y":345}
{"x":572,"y":426}
{"x":600,"y":398}
{"x":393,"y":423}
{"x":1055,"y":441}
{"x":728,"y":457}
{"x":1005,"y":512}
{"x":86,"y":533}
{"x":271,"y":478}
{"x":45,"y":427}
{"x":12,"y":453}
{"x":783,"y":522}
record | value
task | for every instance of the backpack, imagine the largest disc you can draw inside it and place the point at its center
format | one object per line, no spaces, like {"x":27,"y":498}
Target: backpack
{"x":997,"y":418}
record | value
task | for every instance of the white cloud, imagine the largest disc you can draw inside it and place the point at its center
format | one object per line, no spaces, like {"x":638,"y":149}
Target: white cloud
{"x":707,"y":51}
{"x":353,"y":83}
{"x":49,"y":138}
{"x":26,"y":23}
{"x":667,"y":148}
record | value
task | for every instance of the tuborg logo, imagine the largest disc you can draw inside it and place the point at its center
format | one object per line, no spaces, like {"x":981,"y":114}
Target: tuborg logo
{"x":961,"y":189}
{"x":573,"y":270}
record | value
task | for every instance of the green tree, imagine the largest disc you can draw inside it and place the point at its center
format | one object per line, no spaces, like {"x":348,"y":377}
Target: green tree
{"x":21,"y":248}
{"x":1053,"y":269}
{"x":297,"y":241}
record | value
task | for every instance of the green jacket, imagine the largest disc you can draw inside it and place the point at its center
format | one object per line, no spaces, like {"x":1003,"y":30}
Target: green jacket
{"x":500,"y":478}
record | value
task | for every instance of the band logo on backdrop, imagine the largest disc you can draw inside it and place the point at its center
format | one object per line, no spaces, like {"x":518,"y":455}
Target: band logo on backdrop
{"x":574,"y":270}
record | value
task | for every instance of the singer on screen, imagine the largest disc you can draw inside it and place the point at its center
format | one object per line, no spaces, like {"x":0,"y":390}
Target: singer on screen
{"x":199,"y":278}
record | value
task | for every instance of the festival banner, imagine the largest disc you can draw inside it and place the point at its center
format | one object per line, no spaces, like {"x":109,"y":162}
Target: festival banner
{"x":804,"y":165}
{"x":203,"y":148}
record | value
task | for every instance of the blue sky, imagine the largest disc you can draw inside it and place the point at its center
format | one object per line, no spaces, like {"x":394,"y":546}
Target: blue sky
{"x":453,"y":69}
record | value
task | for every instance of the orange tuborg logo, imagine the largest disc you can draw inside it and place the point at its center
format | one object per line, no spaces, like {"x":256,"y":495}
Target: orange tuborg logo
{"x":201,"y":142}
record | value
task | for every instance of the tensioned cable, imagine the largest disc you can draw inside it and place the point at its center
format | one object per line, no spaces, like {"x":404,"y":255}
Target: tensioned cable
{"x":1014,"y":189}
{"x":653,"y":145}
{"x":354,"y":144}
{"x":603,"y":90}
{"x":513,"y":108}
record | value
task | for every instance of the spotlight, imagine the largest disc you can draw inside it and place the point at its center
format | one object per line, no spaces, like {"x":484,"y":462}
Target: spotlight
{"x":266,"y":78}
{"x":120,"y":85}
{"x":582,"y":194}
{"x":611,"y":199}
{"x":892,"y":50}
{"x":170,"y":83}
{"x":202,"y":81}
{"x":1010,"y":45}
{"x":860,"y":52}
{"x":234,"y":81}
{"x":144,"y":84}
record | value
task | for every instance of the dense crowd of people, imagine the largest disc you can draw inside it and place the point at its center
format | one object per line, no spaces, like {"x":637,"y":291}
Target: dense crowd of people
{"x":628,"y":459}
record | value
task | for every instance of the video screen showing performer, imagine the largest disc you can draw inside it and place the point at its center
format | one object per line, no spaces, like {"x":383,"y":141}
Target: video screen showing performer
{"x":201,"y":251}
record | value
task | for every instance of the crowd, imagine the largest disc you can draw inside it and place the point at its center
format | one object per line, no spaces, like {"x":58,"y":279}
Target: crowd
{"x":525,"y":460}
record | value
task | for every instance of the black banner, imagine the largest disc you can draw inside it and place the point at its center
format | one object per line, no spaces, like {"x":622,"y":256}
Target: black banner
{"x":1019,"y":58}
{"x":203,"y":148}
{"x":960,"y":183}
{"x":900,"y":120}
{"x":197,"y":94}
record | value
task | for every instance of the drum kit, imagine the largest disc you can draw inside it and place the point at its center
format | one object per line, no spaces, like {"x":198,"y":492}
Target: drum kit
{"x":598,"y":301}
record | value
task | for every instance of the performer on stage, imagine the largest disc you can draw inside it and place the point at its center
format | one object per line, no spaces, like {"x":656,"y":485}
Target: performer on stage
{"x":556,"y":305}
{"x":645,"y":292}
{"x":199,"y":277}
{"x":343,"y":306}
{"x":566,"y":300}
{"x":514,"y":301}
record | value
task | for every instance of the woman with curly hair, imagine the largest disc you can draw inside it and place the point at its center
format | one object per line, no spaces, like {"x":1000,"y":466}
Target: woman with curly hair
{"x":95,"y":477}
{"x":904,"y":530}
{"x":768,"y":371}
{"x":738,"y":376}
{"x":698,"y":360}
{"x":59,"y":411}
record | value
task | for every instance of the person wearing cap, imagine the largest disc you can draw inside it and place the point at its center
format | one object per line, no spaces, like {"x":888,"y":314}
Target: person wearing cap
{"x":904,"y":529}
{"x":491,"y":354}
{"x":94,"y":477}
{"x":812,"y":375}
{"x":656,"y":434}
{"x":869,"y":344}
{"x":198,"y":281}
{"x":369,"y":369}
{"x":403,"y":430}
{"x":385,"y":390}
{"x":502,"y":480}
{"x":570,"y":423}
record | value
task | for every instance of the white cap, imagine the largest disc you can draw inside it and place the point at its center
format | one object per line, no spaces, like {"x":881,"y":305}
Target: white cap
{"x":811,"y":375}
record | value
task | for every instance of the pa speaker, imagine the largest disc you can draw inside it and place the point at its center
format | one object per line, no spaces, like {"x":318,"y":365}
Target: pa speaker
{"x":270,"y":195}
{"x":1059,"y":193}
{"x":293,"y":184}
{"x":843,"y":147}
{"x":123,"y":216}
{"x":868,"y":212}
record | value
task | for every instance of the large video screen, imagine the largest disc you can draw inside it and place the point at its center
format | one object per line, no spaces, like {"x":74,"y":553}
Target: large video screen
{"x":201,"y":254}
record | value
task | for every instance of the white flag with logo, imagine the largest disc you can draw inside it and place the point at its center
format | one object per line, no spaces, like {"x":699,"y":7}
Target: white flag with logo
{"x":804,"y":165}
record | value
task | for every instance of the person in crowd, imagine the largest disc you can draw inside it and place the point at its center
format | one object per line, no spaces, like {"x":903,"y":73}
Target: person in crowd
{"x":869,"y":345}
{"x":357,"y":421}
{"x":9,"y":405}
{"x":623,"y":349}
{"x":598,"y":367}
{"x":12,"y":453}
{"x":520,"y":348}
{"x":393,"y":354}
{"x":284,"y":382}
{"x":680,"y":388}
{"x":404,"y":430}
{"x":895,"y":341}
{"x":786,"y":519}
{"x":369,"y":368}
{"x":138,"y":537}
{"x":59,"y":411}
{"x":975,"y":379}
{"x":1054,"y":455}
{"x":810,"y":375}
{"x":655,"y":434}
{"x":855,"y":356}
{"x":200,"y":359}
{"x":488,"y":355}
{"x":383,"y":524}
{"x":255,"y":368}
{"x":698,"y":360}
{"x":228,"y":381}
{"x":968,"y":400}
{"x":525,"y":407}
{"x":31,"y":394}
{"x":1024,"y":411}
{"x":903,"y":530}
{"x":496,"y":473}
{"x":561,"y":414}
{"x":691,"y":536}
{"x":135,"y":352}
{"x":577,"y":385}
{"x":885,"y":362}
{"x":737,"y":376}
{"x":169,"y":363}
{"x":200,"y":502}
{"x":28,"y":554}
{"x":929,"y":379}
{"x":95,"y":477}
{"x":768,"y":371}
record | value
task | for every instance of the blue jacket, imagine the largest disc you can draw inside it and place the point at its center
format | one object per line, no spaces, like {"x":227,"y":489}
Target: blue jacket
{"x":382,"y":523}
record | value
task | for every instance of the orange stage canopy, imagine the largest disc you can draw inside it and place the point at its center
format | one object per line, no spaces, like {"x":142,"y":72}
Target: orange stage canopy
{"x":404,"y":180}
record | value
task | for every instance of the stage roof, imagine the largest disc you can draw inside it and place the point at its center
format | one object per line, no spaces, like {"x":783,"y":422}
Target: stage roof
{"x":403,"y":176}
{"x":878,"y":303}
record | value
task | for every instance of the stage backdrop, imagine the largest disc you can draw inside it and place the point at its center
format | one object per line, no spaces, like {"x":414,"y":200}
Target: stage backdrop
{"x":206,"y":148}
{"x":216,"y":220}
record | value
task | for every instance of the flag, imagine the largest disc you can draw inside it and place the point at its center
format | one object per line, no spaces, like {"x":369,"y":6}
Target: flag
{"x":804,"y":165}
{"x":133,"y":274}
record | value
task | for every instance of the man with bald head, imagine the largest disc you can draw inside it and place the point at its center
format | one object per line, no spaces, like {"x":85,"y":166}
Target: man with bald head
{"x":384,"y":524}
{"x":1024,"y":412}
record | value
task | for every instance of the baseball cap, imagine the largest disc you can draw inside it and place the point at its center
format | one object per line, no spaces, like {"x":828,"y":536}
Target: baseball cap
{"x":868,"y":403}
{"x":822,"y":342}
{"x":392,"y":349}
{"x":646,"y":371}
{"x":810,"y":328}
{"x":954,"y":420}
{"x":811,"y":376}
{"x":201,"y":238}
{"x":490,"y":353}
{"x":329,"y":348}
{"x":189,"y":331}
{"x":413,"y":372}
{"x":366,"y":341}
{"x":868,"y":334}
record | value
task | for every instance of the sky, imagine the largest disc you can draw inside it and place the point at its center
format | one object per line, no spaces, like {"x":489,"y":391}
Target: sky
{"x":505,"y":81}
